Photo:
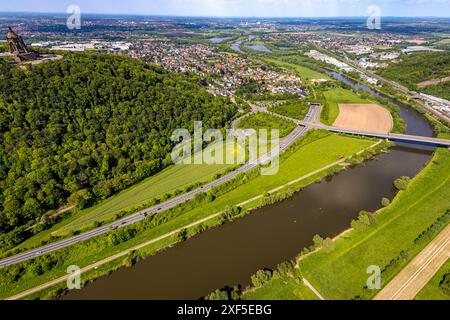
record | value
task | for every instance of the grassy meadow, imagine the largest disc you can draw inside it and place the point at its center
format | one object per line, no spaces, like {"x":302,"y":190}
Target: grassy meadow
{"x":341,"y":273}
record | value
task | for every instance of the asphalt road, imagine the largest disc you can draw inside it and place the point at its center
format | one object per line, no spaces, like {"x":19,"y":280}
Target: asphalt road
{"x":301,"y":130}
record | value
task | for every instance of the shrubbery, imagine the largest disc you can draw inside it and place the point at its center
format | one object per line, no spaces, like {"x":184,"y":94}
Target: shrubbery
{"x":261,"y":278}
{"x":365,"y":219}
{"x":444,"y":285}
{"x":402,"y":183}
{"x":385,"y":202}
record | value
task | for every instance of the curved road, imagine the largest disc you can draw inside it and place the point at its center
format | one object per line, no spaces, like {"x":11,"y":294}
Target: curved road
{"x":301,"y":130}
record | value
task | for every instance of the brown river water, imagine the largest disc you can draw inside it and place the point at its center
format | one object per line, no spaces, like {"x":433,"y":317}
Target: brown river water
{"x":230,"y":254}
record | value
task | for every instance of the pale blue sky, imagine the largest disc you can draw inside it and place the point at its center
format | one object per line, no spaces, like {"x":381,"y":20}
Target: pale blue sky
{"x":238,"y":8}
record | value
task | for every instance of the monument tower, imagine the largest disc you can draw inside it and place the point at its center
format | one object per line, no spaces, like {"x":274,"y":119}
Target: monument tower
{"x":18,"y":48}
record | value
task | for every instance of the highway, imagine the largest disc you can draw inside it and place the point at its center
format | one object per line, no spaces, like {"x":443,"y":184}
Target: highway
{"x":302,"y":129}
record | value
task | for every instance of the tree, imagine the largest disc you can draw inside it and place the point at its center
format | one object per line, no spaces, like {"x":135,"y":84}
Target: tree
{"x":83,"y":128}
{"x":80,"y":199}
{"x":318,"y":241}
{"x":385,"y":202}
{"x":402,"y":183}
{"x":444,"y":285}
{"x":218,"y":295}
{"x":182,"y":236}
{"x":285,"y":268}
{"x":261,"y":278}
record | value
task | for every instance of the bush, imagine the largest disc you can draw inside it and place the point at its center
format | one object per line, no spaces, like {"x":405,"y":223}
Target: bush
{"x":318,"y":241}
{"x":385,"y":202}
{"x":286,"y":268}
{"x":182,"y":236}
{"x":328,"y":245}
{"x":365,"y":219}
{"x":402,"y":183}
{"x":261,"y":278}
{"x":444,"y":285}
{"x":218,"y":295}
{"x":229,"y":214}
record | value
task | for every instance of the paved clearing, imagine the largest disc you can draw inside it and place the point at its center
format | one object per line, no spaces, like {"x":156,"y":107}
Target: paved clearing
{"x":364,"y":117}
{"x":408,"y":283}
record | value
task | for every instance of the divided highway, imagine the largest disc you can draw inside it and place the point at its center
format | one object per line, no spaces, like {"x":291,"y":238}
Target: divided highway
{"x":285,"y":143}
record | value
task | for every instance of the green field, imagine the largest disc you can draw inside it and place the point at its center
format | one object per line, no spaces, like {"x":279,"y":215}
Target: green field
{"x":432,"y":291}
{"x":174,"y":178}
{"x":334,"y":97}
{"x":266,"y":121}
{"x":296,"y":109}
{"x":312,"y":156}
{"x":341,"y":274}
{"x":304,"y":72}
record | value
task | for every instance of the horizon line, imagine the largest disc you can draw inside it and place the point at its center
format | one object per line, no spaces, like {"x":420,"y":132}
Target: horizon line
{"x":212,"y":16}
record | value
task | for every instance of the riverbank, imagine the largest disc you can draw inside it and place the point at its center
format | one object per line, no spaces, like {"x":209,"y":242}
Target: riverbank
{"x":324,"y":151}
{"x":340,"y":271}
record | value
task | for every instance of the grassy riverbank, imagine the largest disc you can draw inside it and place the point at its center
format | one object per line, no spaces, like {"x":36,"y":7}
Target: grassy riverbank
{"x":339,"y":272}
{"x":318,"y":150}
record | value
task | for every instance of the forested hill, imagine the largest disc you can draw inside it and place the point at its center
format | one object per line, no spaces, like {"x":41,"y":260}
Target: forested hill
{"x":418,"y":67}
{"x":84,"y":127}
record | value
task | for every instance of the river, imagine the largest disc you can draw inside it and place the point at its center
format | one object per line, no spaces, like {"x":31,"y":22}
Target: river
{"x":230,"y":254}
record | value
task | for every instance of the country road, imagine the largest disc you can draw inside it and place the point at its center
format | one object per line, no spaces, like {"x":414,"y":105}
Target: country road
{"x":285,"y":143}
{"x":408,"y":283}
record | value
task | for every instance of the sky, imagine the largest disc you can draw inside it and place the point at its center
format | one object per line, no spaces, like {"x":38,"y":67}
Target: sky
{"x":237,"y":8}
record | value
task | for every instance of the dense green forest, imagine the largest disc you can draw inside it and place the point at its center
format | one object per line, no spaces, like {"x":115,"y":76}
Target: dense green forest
{"x":82,"y":128}
{"x":296,"y":109}
{"x":267,"y":121}
{"x":420,"y":67}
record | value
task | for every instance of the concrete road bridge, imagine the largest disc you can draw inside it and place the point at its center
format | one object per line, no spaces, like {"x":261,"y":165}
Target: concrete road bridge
{"x":419,"y":140}
{"x":404,"y":138}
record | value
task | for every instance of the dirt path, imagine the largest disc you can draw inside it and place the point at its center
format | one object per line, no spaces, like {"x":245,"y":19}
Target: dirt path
{"x":364,"y":117}
{"x":408,"y":283}
{"x":432,"y":82}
